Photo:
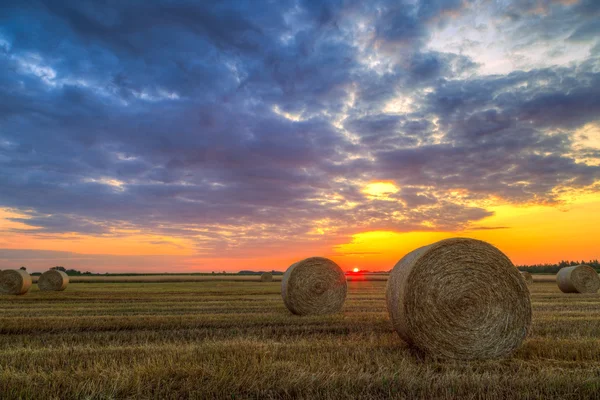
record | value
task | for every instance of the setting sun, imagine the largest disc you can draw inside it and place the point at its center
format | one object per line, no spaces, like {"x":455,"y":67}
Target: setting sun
{"x":356,"y":270}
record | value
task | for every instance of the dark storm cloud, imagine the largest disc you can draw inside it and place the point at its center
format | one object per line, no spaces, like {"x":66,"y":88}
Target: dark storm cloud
{"x":407,"y":23}
{"x":553,"y":97}
{"x":387,"y":131}
{"x":568,"y":108}
{"x":171,"y":117}
{"x":400,"y":24}
{"x":414,"y":197}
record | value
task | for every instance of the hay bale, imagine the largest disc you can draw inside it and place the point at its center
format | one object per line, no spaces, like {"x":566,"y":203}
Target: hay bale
{"x":53,"y":280}
{"x":459,"y":298}
{"x":266,"y":277}
{"x":314,"y":286}
{"x":527,"y":276}
{"x":14,"y":281}
{"x":578,"y":279}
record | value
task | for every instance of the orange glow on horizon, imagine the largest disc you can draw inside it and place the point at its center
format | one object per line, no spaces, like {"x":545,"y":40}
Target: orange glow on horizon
{"x":528,"y":234}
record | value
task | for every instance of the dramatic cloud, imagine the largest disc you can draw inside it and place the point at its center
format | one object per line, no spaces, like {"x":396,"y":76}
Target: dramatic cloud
{"x":240,"y":124}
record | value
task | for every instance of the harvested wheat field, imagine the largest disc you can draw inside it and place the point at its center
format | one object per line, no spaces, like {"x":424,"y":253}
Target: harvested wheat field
{"x":237,"y":339}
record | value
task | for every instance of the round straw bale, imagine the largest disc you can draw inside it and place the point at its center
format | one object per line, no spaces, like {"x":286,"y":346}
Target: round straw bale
{"x":578,"y":279}
{"x":314,"y":286}
{"x":266,"y":277}
{"x":14,"y":281}
{"x":53,"y":280}
{"x":527,"y":276}
{"x":459,"y":298}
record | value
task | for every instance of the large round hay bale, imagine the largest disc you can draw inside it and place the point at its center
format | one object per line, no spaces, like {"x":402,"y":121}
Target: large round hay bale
{"x":578,"y":279}
{"x":53,"y":280}
{"x":314,"y":286}
{"x":266,"y":277}
{"x":459,"y":298}
{"x":14,"y":281}
{"x":527,"y":276}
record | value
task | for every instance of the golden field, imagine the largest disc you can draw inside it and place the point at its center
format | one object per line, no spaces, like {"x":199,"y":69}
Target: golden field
{"x":235,"y":339}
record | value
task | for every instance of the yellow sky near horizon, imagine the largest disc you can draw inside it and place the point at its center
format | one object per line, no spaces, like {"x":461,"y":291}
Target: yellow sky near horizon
{"x":527,"y":234}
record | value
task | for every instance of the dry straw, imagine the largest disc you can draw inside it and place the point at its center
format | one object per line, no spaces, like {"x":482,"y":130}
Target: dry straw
{"x":578,"y":279}
{"x":314,"y":286}
{"x":527,"y":276}
{"x":53,"y":280}
{"x":14,"y":281}
{"x":266,"y":277}
{"x":459,"y":298}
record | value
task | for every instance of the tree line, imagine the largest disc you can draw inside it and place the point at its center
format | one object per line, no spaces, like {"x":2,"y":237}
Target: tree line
{"x":71,"y":272}
{"x":553,"y":268}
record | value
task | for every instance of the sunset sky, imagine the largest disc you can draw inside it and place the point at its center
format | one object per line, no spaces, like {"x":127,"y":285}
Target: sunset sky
{"x":190,"y":136}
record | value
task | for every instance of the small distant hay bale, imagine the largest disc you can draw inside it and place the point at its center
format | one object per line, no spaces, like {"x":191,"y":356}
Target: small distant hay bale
{"x":527,"y":276}
{"x":53,"y":280}
{"x":578,"y":279}
{"x":314,"y":286}
{"x":459,"y":298}
{"x":266,"y":277}
{"x":14,"y":281}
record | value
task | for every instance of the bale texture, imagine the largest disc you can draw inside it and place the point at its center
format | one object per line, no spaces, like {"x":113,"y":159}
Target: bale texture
{"x":14,"y":281}
{"x":527,"y":276}
{"x":266,"y":277}
{"x":578,"y":279}
{"x":314,"y":286}
{"x":53,"y":280}
{"x":459,"y":298}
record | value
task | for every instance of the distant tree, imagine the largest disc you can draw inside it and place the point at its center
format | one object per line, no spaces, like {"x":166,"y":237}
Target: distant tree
{"x":72,"y":272}
{"x":554,"y":268}
{"x":23,"y":268}
{"x":67,"y":271}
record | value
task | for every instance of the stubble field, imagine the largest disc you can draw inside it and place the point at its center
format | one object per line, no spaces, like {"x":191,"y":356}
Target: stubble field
{"x":235,"y":339}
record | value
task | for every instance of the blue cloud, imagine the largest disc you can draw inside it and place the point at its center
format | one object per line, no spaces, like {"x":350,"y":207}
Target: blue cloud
{"x":236,"y":122}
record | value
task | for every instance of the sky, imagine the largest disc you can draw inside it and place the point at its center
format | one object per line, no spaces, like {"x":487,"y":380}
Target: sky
{"x":187,"y":136}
